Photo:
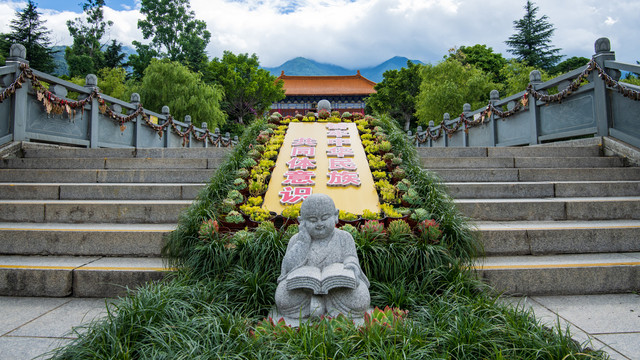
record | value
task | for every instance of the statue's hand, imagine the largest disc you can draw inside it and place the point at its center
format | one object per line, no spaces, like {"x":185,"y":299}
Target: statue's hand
{"x":356,"y":270}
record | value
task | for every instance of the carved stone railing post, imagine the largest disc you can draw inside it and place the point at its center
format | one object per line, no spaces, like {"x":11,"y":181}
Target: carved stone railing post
{"x":17,"y":56}
{"x":187,"y":120}
{"x":602,"y":106}
{"x":466,"y":109}
{"x":137,"y":135}
{"x":445,"y":118}
{"x":494,"y":97}
{"x":217,"y":137}
{"x":206,"y":139}
{"x":535,"y":78}
{"x":429,"y":129}
{"x":91,"y":83}
{"x":167,"y":129}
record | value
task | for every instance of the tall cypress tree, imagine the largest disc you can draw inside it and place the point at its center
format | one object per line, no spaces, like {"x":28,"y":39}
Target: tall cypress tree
{"x":27,"y":29}
{"x":532,"y":41}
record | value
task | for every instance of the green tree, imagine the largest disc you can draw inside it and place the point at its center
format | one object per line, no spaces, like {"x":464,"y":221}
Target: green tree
{"x":170,"y":83}
{"x":175,"y":32}
{"x":632,"y":78}
{"x":248,"y":90}
{"x":447,"y":86}
{"x":111,"y":81}
{"x":481,"y":57}
{"x":27,"y":29}
{"x":86,"y":56}
{"x":141,"y":60}
{"x":571,"y":63}
{"x":113,"y":55}
{"x":396,"y":94}
{"x":5,"y":45}
{"x":516,"y":76}
{"x":532,"y":41}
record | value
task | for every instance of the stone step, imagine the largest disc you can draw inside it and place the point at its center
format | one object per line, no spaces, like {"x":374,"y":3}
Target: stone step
{"x":545,"y":151}
{"x":79,"y":276}
{"x":105,"y":176}
{"x":538,"y":174}
{"x":92,"y":211}
{"x":37,"y":151}
{"x":519,"y":162}
{"x":562,"y":274}
{"x":529,"y":151}
{"x":110,"y":163}
{"x":82,"y":239}
{"x":99,"y":191}
{"x":502,"y":190}
{"x":595,"y":208}
{"x":559,"y":237}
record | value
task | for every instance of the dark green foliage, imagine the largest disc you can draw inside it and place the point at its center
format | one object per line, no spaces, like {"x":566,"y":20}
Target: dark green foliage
{"x":86,"y":55}
{"x":571,"y":63}
{"x":174,"y":31}
{"x":141,"y":60}
{"x":396,"y":94}
{"x":27,"y":29}
{"x":532,"y":41}
{"x":212,"y":306}
{"x":5,"y":45}
{"x":248,"y":90}
{"x":481,"y":57}
{"x":113,"y":55}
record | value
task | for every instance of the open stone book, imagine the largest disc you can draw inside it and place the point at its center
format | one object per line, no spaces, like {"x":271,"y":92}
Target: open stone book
{"x":321,"y":280}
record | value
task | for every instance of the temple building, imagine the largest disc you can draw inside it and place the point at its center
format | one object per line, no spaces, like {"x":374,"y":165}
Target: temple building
{"x":302,"y":93}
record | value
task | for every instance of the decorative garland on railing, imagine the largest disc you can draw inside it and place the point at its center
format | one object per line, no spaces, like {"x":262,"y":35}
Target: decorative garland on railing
{"x":57,"y":105}
{"x":522,"y":104}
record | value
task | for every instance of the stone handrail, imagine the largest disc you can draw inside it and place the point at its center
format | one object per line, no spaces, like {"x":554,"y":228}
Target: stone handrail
{"x":31,"y":110}
{"x":589,"y":102}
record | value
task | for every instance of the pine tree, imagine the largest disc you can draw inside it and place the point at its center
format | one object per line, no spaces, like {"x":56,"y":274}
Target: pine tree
{"x":113,"y":55}
{"x":531,"y":42}
{"x":27,"y":29}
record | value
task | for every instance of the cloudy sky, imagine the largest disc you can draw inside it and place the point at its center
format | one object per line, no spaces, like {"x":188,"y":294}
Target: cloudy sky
{"x":360,"y":33}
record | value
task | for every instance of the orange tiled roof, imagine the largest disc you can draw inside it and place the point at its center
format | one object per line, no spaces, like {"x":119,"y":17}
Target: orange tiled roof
{"x":327,"y":85}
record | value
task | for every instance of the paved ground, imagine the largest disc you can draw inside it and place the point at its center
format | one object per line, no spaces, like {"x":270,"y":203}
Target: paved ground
{"x":610,"y":322}
{"x":30,"y":327}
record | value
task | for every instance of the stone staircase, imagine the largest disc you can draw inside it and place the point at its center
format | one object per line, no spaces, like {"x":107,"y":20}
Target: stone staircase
{"x":90,"y":222}
{"x":553,"y":220}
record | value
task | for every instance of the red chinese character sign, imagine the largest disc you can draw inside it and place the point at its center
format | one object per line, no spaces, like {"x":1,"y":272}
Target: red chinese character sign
{"x":343,"y":178}
{"x":302,"y":163}
{"x":322,"y":158}
{"x":292,"y":195}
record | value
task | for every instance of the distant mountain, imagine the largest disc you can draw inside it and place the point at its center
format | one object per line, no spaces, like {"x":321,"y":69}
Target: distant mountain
{"x":61,"y":64}
{"x":58,"y":58}
{"x":305,"y":67}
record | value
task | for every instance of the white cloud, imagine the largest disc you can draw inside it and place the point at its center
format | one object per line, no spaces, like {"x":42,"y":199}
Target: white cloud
{"x":358,"y":33}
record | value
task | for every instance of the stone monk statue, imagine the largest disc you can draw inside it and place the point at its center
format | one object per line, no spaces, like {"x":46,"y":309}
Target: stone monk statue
{"x":321,"y":274}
